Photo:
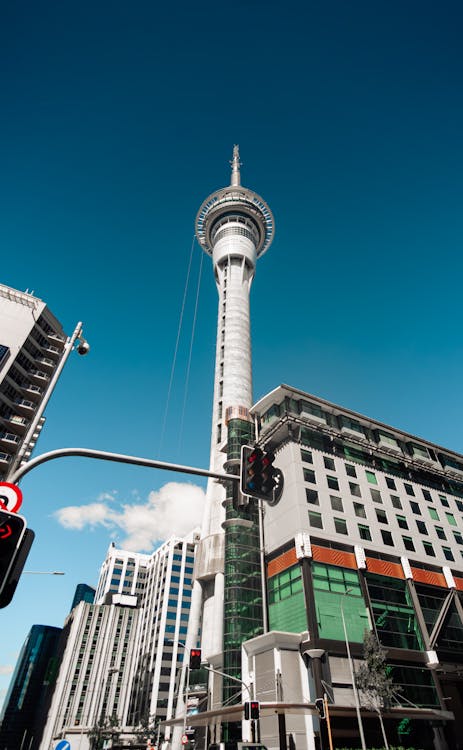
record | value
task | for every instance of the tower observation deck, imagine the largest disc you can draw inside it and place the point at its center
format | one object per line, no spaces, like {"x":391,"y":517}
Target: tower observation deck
{"x":235,"y":227}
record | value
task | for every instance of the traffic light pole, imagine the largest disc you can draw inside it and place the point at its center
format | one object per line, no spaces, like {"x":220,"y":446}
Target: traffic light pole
{"x":118,"y":458}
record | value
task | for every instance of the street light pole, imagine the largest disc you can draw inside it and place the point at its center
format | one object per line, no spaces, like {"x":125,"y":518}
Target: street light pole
{"x":352,"y":674}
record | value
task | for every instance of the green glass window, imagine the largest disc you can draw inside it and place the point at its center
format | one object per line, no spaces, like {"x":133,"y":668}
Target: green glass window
{"x":364,"y":532}
{"x":429,"y":549}
{"x":333,"y":483}
{"x":340,"y":525}
{"x":315,"y":519}
{"x":309,"y":476}
{"x":306,"y":456}
{"x":444,"y":501}
{"x":393,"y":612}
{"x":371,"y":477}
{"x":408,"y":543}
{"x":336,"y":503}
{"x":440,"y":532}
{"x":312,"y":496}
{"x":433,"y":514}
{"x":335,"y":587}
{"x":451,"y":519}
{"x":286,"y":601}
{"x":448,"y":553}
{"x":402,"y":522}
{"x":458,"y":537}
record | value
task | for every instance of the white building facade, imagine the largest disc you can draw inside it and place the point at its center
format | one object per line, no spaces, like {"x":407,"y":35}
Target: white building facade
{"x":31,"y":346}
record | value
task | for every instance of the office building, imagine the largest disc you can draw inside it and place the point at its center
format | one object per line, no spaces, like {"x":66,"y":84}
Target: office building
{"x":122,"y":654}
{"x":83,"y":593}
{"x":31,"y":347}
{"x":368,"y":534}
{"x":35,"y":670}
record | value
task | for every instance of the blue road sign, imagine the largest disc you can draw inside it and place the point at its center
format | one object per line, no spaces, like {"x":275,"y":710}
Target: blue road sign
{"x":63,"y":745}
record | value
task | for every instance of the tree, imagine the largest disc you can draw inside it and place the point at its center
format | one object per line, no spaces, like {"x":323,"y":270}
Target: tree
{"x":106,"y":728}
{"x":374,"y":678}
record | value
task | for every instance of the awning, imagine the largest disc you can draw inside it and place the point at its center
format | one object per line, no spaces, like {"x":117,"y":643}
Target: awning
{"x":236,"y":713}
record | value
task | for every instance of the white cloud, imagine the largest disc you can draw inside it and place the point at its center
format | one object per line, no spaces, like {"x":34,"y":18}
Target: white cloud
{"x":176,"y":508}
{"x":6,"y":669}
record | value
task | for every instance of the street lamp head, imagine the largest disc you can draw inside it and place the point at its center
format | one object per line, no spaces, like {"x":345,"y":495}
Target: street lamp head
{"x":83,"y":347}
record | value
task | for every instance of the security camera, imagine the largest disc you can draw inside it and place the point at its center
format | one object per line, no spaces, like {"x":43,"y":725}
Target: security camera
{"x":83,"y":347}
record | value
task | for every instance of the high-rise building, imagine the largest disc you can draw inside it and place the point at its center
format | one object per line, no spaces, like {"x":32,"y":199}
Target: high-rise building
{"x":122,"y":654}
{"x":83,"y":593}
{"x":31,"y":346}
{"x":368,"y":535}
{"x":35,"y":670}
{"x":235,"y":227}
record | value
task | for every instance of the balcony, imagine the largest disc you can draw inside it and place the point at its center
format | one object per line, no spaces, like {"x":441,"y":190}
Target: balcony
{"x":55,"y":338}
{"x":24,"y":406}
{"x":16,"y":423}
{"x":5,"y":459}
{"x":39,"y":375}
{"x":7,"y":439}
{"x":46,"y":362}
{"x":34,"y":391}
{"x":51,"y":349}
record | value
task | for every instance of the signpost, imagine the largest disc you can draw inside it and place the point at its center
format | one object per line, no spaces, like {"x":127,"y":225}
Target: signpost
{"x":11,"y":497}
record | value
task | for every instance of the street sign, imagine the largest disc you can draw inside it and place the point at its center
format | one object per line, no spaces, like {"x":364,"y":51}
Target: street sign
{"x":11,"y":497}
{"x":63,"y":745}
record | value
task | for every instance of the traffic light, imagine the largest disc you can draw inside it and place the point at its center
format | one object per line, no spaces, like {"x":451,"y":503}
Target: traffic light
{"x":251,"y":710}
{"x":195,"y":658}
{"x":12,"y":530}
{"x":320,"y":706}
{"x":259,"y":477}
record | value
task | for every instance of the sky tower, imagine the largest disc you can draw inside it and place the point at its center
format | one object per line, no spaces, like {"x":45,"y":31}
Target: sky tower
{"x":235,"y":227}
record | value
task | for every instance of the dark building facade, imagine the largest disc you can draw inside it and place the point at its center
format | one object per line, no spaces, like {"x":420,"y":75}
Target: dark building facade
{"x":35,"y":670}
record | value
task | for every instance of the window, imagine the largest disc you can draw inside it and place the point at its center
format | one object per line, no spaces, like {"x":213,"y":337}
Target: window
{"x":448,"y":553}
{"x":381,"y":515}
{"x":309,"y":476}
{"x":376,"y":495}
{"x":359,"y":510}
{"x":433,"y":514}
{"x":429,"y":549}
{"x":396,"y":502}
{"x":459,"y":505}
{"x":458,"y":537}
{"x":350,"y":470}
{"x":364,"y":532}
{"x":421,"y":526}
{"x":340,"y":525}
{"x":390,"y":483}
{"x":444,"y":501}
{"x":409,"y":489}
{"x":312,"y":496}
{"x":387,"y":537}
{"x":402,"y":522}
{"x":371,"y":477}
{"x":408,"y":543}
{"x":440,"y":532}
{"x":333,"y":483}
{"x":355,"y":489}
{"x":451,"y":519}
{"x":306,"y":457}
{"x":415,"y":508}
{"x":336,"y":503}
{"x":427,"y":495}
{"x":315,"y":519}
{"x":329,"y":463}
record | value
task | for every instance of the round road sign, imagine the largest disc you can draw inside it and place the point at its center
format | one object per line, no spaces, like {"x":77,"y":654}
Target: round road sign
{"x":63,"y":745}
{"x":11,"y":497}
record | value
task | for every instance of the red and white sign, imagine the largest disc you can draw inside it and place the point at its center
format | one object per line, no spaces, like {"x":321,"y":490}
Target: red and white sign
{"x":184,"y":739}
{"x":11,"y":497}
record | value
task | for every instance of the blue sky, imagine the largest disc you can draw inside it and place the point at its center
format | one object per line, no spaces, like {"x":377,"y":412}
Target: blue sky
{"x":116,"y":121}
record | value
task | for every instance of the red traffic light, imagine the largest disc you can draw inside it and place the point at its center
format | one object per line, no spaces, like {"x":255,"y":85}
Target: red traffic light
{"x":195,"y":658}
{"x":251,"y":710}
